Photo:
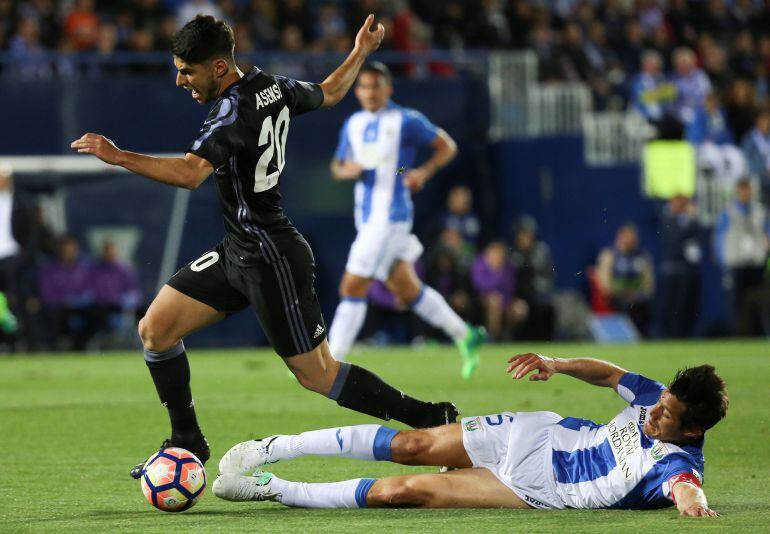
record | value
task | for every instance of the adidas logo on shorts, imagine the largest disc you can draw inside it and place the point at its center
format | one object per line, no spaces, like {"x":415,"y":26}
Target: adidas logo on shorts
{"x":318,"y":331}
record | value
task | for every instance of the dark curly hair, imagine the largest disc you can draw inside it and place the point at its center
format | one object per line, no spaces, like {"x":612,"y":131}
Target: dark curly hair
{"x":703,"y":394}
{"x":203,"y":38}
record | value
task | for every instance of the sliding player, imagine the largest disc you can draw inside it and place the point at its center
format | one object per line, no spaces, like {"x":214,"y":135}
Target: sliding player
{"x":648,"y":456}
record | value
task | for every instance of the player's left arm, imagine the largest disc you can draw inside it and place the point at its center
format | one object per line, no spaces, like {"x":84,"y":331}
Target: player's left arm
{"x":444,"y":151}
{"x":337,"y":84}
{"x":689,"y":497}
{"x":188,"y":171}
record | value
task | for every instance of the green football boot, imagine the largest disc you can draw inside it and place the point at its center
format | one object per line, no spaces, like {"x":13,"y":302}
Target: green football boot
{"x":469,"y":349}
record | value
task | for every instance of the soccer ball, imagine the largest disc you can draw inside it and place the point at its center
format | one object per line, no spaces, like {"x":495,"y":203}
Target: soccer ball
{"x":173,"y":479}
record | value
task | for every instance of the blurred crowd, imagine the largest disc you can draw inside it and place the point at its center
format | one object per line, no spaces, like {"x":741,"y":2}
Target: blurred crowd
{"x":600,"y":42}
{"x":508,"y":284}
{"x":52,"y":296}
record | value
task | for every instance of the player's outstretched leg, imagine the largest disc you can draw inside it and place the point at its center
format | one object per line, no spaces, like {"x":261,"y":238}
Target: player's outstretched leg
{"x":464,"y":488}
{"x":442,"y":445}
{"x":170,"y":317}
{"x":432,"y":308}
{"x":357,"y":389}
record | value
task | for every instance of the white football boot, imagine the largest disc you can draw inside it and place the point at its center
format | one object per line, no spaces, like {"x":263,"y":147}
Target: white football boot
{"x":247,"y":457}
{"x":238,"y":488}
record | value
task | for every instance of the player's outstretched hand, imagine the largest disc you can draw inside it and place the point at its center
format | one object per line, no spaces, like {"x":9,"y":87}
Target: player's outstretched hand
{"x":523,"y":364}
{"x":367,"y":40}
{"x":99,"y":146}
{"x":698,"y":510}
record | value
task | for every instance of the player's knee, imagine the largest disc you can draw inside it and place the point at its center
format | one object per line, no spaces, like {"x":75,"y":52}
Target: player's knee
{"x":410,"y":446}
{"x":353,"y":287}
{"x":153,"y":334}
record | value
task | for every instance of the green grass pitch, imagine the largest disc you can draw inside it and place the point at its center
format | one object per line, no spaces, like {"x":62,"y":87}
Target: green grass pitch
{"x":72,"y":425}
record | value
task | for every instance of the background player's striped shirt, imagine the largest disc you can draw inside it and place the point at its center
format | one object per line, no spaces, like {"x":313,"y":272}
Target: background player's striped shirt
{"x":616,"y":465}
{"x":384,"y":142}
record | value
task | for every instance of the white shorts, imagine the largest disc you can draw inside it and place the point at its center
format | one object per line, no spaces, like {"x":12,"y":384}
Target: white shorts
{"x":516,"y":447}
{"x":377,"y":248}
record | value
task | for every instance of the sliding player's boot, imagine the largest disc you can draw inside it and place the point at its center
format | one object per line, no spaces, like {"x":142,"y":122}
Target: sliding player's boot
{"x":469,"y":349}
{"x":247,"y":457}
{"x":199,"y":447}
{"x":239,"y":488}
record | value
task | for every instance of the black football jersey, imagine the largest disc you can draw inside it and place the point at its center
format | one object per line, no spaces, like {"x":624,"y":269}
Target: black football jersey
{"x":244,"y":139}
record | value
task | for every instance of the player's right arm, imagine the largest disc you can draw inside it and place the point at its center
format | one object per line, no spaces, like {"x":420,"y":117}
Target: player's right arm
{"x":596,"y":372}
{"x":689,"y":497}
{"x":188,"y":171}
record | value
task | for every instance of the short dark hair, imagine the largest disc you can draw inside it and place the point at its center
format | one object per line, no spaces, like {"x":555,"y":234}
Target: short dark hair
{"x":203,"y":38}
{"x":378,"y":67}
{"x":702,"y":392}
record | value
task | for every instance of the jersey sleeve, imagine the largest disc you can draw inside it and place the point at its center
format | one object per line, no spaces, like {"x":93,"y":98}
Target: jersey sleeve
{"x":638,"y":390}
{"x":218,"y":139}
{"x":677,"y":464}
{"x":343,"y":150}
{"x":418,"y":129}
{"x":301,"y":97}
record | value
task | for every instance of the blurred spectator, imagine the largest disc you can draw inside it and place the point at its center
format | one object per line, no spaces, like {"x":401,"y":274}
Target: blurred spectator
{"x":692,"y":85}
{"x":191,"y":8}
{"x":710,"y":123}
{"x":116,"y":293}
{"x":460,"y":216}
{"x":756,"y":147}
{"x":681,"y":238}
{"x":81,"y":26}
{"x":653,"y":96}
{"x":261,"y":18}
{"x":67,"y":297}
{"x":625,"y":274}
{"x":330,"y":29}
{"x":493,"y":277}
{"x":27,"y":54}
{"x":531,"y":258}
{"x":296,"y":13}
{"x":630,"y":47}
{"x":17,"y":247}
{"x":446,"y":270}
{"x":742,"y":239}
{"x":718,"y":156}
{"x":487,"y":25}
{"x":741,"y":108}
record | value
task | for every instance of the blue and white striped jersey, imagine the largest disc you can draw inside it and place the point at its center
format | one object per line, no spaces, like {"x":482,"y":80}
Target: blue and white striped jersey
{"x":616,"y":465}
{"x":383,"y":143}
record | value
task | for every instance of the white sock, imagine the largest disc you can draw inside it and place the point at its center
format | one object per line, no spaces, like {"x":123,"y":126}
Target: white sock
{"x":347,"y":494}
{"x":347,"y":322}
{"x":363,"y":442}
{"x":431,"y":307}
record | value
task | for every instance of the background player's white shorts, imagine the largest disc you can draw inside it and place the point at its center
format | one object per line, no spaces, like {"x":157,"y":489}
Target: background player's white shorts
{"x":516,"y":447}
{"x":377,"y":247}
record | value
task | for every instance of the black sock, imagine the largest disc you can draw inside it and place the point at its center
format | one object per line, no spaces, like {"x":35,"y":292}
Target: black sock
{"x":172,"y":381}
{"x":363,"y":391}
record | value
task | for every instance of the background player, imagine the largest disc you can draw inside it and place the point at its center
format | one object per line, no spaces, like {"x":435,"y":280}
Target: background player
{"x":649,"y":456}
{"x":263,"y":260}
{"x":377,"y":145}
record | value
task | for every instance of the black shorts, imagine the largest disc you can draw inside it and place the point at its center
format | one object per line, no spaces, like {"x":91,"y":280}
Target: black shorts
{"x":281,"y":291}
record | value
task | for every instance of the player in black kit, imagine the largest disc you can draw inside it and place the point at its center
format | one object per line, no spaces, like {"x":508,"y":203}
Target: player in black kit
{"x":263,"y":260}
